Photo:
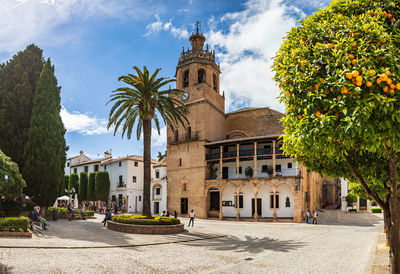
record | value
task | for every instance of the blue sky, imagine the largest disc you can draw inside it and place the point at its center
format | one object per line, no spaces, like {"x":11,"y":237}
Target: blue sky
{"x":93,"y":42}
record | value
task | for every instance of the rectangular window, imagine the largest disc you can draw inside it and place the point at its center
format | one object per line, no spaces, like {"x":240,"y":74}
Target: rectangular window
{"x":86,"y":168}
{"x":96,"y":168}
{"x":68,"y":164}
{"x":119,"y":164}
{"x":136,"y":163}
{"x":240,"y":170}
{"x":140,"y":198}
{"x":264,"y":169}
{"x":240,"y":200}
{"x":113,"y":198}
{"x":278,"y":168}
{"x":156,"y":208}
{"x":120,"y":183}
{"x":75,"y":170}
{"x":272,"y":201}
{"x":105,"y":167}
{"x":184,"y":187}
{"x":158,"y":191}
{"x":157,"y":174}
{"x":289,"y":165}
{"x":134,"y":179}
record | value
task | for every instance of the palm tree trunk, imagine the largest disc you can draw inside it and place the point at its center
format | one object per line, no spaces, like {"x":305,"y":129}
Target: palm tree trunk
{"x":147,"y":167}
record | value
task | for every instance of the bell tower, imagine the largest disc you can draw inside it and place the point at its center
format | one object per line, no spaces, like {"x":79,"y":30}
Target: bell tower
{"x":197,"y":74}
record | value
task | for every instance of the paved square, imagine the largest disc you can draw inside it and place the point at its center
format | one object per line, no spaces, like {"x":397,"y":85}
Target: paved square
{"x":342,"y":243}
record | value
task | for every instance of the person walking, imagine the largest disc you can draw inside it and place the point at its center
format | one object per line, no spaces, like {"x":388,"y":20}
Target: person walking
{"x":315,"y":219}
{"x":107,"y":217}
{"x":69,"y":207}
{"x":308,"y":216}
{"x":191,"y":215}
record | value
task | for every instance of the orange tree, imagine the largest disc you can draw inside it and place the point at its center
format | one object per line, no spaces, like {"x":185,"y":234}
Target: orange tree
{"x":339,"y":75}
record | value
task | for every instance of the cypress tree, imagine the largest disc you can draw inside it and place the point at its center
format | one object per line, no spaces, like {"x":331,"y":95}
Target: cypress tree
{"x":64,"y":186}
{"x":45,"y":150}
{"x":90,"y":189}
{"x":83,"y":184}
{"x":102,"y":185}
{"x":74,"y":182}
{"x":18,"y":82}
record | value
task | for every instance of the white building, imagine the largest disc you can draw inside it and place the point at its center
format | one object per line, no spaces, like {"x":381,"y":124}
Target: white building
{"x":126,"y":179}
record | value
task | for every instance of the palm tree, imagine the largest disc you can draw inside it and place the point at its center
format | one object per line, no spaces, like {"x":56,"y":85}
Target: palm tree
{"x":139,"y":105}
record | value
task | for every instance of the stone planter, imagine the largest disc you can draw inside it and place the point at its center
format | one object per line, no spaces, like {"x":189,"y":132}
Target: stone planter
{"x":9,"y":234}
{"x":145,"y":229}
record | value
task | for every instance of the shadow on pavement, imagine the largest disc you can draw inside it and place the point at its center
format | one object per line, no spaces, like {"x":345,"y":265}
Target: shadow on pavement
{"x":4,"y":269}
{"x":249,"y":244}
{"x":340,"y":218}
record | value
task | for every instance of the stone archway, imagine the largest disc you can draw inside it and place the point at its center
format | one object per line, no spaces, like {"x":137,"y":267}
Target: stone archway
{"x":285,"y":205}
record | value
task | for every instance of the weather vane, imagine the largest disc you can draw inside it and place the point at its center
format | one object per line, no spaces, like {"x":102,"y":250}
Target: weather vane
{"x":198,"y":23}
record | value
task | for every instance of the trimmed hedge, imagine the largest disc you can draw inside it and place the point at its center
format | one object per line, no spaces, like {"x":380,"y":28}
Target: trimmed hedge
{"x":141,"y":220}
{"x":63,"y":212}
{"x":102,"y":185}
{"x":14,"y":224}
{"x":376,"y":210}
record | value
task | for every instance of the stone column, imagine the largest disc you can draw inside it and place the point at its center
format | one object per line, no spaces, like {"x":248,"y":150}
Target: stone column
{"x":255,"y":205}
{"x":221,"y":150}
{"x":273,"y":158}
{"x":220,"y":204}
{"x":274,"y":193}
{"x":237,"y":161}
{"x":237,"y":204}
{"x":255,"y":159}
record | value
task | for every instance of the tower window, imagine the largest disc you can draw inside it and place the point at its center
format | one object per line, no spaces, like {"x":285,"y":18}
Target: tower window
{"x":189,"y":132}
{"x":176,"y":136}
{"x":215,"y":82}
{"x":201,"y":76}
{"x":186,"y":78}
{"x":180,"y":161}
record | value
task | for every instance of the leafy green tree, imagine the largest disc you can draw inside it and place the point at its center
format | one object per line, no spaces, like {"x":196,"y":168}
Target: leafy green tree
{"x":339,"y":74}
{"x":91,"y":186}
{"x":45,"y":150}
{"x":138,"y":105}
{"x":161,"y":156}
{"x":11,"y":181}
{"x":74,"y":182}
{"x":83,"y":184}
{"x":64,"y":186}
{"x":18,"y":83}
{"x":102,"y":185}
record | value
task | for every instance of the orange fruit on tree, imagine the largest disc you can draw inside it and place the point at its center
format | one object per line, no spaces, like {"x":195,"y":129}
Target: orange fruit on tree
{"x":389,"y":15}
{"x":355,"y":73}
{"x":398,"y":86}
{"x":321,"y":80}
{"x":349,"y":75}
{"x":358,"y":84}
{"x":372,"y":72}
{"x":330,"y":46}
{"x":392,"y":86}
{"x":351,"y":56}
{"x":314,"y":70}
{"x":392,"y":20}
{"x":318,"y":114}
{"x":384,"y":77}
{"x":378,"y":81}
{"x":359,"y":79}
{"x":391,"y":91}
{"x":354,"y":62}
{"x":337,"y":114}
{"x":388,"y":73}
{"x":389,"y":81}
{"x":338,"y":96}
{"x":316,"y":86}
{"x":369,"y":84}
{"x":300,"y":116}
{"x":385,"y":89}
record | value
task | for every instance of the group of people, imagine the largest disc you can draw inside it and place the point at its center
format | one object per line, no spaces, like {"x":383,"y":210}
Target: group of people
{"x":37,"y":217}
{"x":315,"y":216}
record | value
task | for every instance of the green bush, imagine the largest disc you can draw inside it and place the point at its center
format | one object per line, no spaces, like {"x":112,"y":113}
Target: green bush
{"x":74,"y":182}
{"x":90,"y":188}
{"x":2,"y":214}
{"x":102,"y":185}
{"x":29,"y":205}
{"x":351,"y":198}
{"x":63,"y":212}
{"x":83,"y":184}
{"x":376,"y":210}
{"x":141,"y":220}
{"x":14,"y":224}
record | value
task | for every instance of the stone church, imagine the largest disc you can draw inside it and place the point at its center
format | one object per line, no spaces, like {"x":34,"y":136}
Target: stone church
{"x":230,"y":165}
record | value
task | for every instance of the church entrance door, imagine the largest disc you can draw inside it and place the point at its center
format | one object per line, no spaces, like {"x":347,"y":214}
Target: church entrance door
{"x":259,"y":211}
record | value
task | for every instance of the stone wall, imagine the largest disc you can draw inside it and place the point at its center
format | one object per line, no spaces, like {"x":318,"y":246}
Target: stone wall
{"x":145,"y":229}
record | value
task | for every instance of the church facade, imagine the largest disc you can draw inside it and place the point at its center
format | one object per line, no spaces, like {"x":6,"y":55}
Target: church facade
{"x":230,"y":165}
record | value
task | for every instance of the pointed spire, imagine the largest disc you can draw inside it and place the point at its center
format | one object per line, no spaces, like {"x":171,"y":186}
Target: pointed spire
{"x":223,"y":93}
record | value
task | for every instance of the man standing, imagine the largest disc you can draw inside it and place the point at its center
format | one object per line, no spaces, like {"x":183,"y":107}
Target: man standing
{"x":308,"y":216}
{"x":191,"y":215}
{"x":315,"y":219}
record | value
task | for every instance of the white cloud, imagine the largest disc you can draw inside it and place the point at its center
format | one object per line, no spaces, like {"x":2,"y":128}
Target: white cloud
{"x":158,"y":25}
{"x":83,"y":123}
{"x":36,"y":21}
{"x":246,"y":48}
{"x":159,"y":140}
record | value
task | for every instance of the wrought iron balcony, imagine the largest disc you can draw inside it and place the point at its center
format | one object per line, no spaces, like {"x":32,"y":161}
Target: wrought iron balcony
{"x":212,"y":156}
{"x":264,"y":151}
{"x":229,"y":154}
{"x":246,"y":152}
{"x":182,"y":138}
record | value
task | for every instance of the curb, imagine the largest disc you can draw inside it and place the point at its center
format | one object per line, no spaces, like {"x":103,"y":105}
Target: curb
{"x":113,"y":246}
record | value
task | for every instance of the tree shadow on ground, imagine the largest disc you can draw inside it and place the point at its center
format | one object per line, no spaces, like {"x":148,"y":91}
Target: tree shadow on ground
{"x":5,"y":269}
{"x":339,"y":218}
{"x":232,"y":243}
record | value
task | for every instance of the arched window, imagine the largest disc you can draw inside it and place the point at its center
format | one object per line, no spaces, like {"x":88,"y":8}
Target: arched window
{"x":214,"y":82}
{"x":201,"y":76}
{"x":186,"y":78}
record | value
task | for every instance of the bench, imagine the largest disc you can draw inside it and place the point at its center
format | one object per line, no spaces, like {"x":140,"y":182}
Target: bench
{"x":352,"y":210}
{"x":78,"y":217}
